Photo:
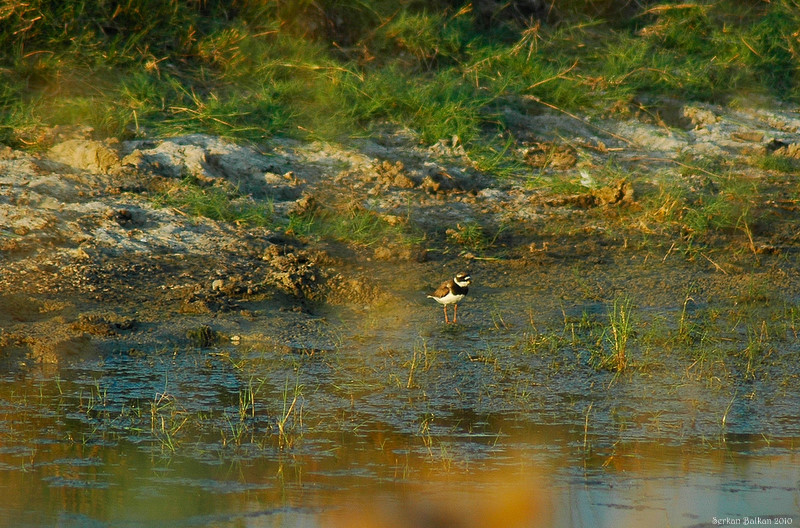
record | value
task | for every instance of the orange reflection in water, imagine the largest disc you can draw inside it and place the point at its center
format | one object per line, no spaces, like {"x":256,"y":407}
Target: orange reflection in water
{"x":447,"y":502}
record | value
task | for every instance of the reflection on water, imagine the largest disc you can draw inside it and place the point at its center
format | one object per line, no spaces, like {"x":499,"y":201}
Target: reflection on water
{"x":454,"y":428}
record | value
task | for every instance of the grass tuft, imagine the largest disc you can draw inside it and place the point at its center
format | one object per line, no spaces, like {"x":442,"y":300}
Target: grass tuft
{"x":216,"y":203}
{"x":355,"y":225}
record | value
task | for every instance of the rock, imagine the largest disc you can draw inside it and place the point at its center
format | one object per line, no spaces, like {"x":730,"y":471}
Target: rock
{"x":750,"y":136}
{"x":55,"y":348}
{"x":393,"y":174}
{"x":305,"y":204}
{"x":700,"y":117}
{"x":550,"y":155}
{"x":292,"y":271}
{"x":438,"y":180}
{"x":94,"y":324}
{"x":93,"y":156}
{"x":203,"y":336}
{"x":618,"y":193}
{"x":790,"y":151}
{"x":383,"y":253}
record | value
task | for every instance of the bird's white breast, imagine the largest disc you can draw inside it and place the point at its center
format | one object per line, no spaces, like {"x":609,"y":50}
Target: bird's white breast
{"x":450,"y":298}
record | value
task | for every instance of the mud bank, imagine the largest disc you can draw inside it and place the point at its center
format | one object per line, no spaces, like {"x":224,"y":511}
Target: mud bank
{"x":96,"y":255}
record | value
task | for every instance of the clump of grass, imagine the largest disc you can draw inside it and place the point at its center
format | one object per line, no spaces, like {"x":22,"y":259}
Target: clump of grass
{"x":723,"y":204}
{"x":468,"y":235}
{"x":354,"y":225}
{"x":773,"y":162}
{"x":618,"y":333}
{"x":667,"y":206}
{"x":730,"y":207}
{"x":703,"y":166}
{"x":203,"y":336}
{"x":217,"y":203}
{"x":558,"y":184}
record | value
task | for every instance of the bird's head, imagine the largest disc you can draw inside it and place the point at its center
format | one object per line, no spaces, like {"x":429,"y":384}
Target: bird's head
{"x":463,"y":279}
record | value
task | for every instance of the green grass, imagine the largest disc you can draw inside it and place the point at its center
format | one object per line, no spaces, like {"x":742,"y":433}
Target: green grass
{"x":772,"y":162}
{"x":217,"y":203}
{"x":352,"y":225}
{"x":469,"y":235}
{"x":333,"y":69}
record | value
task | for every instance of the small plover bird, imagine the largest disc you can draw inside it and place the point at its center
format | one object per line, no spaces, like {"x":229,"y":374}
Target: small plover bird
{"x":451,"y":292}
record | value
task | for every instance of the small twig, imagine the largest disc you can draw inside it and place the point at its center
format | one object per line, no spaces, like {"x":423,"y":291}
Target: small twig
{"x":586,"y":427}
{"x":554,"y":77}
{"x":676,"y":162}
{"x":668,"y":252}
{"x":757,"y":54}
{"x":749,"y":234}
{"x":664,"y":8}
{"x":314,"y":67}
{"x":719,"y":268}
{"x":573,"y":116}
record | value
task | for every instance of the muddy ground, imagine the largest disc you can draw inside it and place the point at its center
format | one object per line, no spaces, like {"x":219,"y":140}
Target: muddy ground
{"x":93,"y":260}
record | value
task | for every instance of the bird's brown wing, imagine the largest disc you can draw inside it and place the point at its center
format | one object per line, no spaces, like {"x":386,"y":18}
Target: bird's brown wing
{"x":442,"y":290}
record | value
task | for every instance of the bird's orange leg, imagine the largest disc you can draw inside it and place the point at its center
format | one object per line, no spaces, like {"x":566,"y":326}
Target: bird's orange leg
{"x":455,"y":312}
{"x":445,"y":313}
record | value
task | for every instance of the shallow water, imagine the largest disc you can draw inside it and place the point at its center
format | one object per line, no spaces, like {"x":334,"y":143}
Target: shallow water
{"x":393,"y":419}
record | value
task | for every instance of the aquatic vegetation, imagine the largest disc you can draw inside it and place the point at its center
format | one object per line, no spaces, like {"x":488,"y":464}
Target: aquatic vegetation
{"x":290,"y":420}
{"x":203,"y":336}
{"x":620,"y":330}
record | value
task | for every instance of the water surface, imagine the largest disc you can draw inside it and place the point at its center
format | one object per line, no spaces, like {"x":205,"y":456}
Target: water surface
{"x":394,"y":419}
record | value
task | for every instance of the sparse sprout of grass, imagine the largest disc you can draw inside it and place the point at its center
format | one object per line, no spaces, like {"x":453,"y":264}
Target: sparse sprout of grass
{"x":497,"y":319}
{"x":549,"y":343}
{"x":791,"y":318}
{"x":685,"y":326}
{"x":425,"y":432}
{"x":421,"y":353}
{"x":247,"y":398}
{"x":412,"y":367}
{"x":618,"y":333}
{"x":166,"y":420}
{"x":290,"y":421}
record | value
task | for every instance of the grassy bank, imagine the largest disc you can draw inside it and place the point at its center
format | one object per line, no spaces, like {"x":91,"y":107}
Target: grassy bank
{"x":334,"y":69}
